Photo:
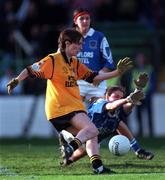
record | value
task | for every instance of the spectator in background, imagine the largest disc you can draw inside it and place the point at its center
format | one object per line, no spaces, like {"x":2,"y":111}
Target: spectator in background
{"x":127,"y":10}
{"x":54,"y":16}
{"x":74,"y":4}
{"x":159,"y":13}
{"x":8,"y":24}
{"x":143,"y":65}
{"x":121,"y":10}
{"x":31,"y":29}
{"x":105,"y":11}
{"x":152,"y":13}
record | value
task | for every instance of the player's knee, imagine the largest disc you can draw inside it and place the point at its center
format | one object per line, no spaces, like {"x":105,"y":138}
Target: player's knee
{"x":93,"y":130}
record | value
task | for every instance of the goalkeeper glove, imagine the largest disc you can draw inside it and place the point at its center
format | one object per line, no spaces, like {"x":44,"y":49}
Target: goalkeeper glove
{"x":141,"y":81}
{"x":135,"y":97}
{"x":11,"y":85}
{"x":123,"y":65}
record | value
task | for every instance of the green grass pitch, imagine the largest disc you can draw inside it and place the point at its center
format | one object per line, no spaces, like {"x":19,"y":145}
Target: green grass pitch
{"x":38,"y":159}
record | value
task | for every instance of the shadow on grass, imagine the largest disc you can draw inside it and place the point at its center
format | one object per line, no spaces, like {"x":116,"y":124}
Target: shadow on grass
{"x":139,"y":166}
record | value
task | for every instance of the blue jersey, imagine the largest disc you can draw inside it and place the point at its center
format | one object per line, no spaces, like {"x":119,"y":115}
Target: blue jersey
{"x":96,"y":53}
{"x":106,"y":122}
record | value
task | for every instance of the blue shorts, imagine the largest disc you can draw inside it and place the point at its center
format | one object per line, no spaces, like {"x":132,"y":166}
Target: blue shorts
{"x":106,"y":127}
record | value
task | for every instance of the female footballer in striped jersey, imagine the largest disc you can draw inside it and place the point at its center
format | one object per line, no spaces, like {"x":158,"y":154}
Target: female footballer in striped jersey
{"x":63,"y":105}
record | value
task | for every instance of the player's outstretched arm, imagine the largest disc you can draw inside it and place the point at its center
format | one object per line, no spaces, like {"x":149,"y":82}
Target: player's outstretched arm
{"x":122,"y":66}
{"x":15,"y":81}
{"x":115,"y":104}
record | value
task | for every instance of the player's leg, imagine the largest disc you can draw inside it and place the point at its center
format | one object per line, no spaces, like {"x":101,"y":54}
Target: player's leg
{"x":92,"y":147}
{"x":81,"y":152}
{"x":82,"y":123}
{"x":86,"y":130}
{"x":123,"y":129}
{"x":77,"y":154}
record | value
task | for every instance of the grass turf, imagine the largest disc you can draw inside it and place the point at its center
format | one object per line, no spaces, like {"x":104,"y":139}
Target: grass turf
{"x":39,"y":159}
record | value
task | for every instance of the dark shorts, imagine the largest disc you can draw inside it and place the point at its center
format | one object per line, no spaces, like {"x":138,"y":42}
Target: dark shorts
{"x":63,"y":122}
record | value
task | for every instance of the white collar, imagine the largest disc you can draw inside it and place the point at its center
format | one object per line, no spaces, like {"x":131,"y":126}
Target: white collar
{"x":90,"y":32}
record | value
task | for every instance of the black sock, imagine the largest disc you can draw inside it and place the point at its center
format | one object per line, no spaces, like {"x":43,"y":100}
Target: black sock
{"x":75,"y":143}
{"x":96,"y":162}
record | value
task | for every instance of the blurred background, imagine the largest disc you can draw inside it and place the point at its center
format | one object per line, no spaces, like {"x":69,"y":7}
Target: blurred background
{"x":29,"y":31}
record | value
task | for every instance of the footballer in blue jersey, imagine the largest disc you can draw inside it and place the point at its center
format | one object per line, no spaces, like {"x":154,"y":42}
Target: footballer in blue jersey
{"x":106,"y":122}
{"x":95,"y":53}
{"x":108,"y":115}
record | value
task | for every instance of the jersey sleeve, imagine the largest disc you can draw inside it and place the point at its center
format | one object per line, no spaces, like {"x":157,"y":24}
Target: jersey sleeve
{"x":42,"y":69}
{"x":106,"y":54}
{"x":96,"y":107}
{"x":85,"y":73}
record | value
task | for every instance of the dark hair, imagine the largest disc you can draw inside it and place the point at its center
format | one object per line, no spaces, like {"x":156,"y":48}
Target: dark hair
{"x":77,"y":11}
{"x":111,"y":89}
{"x":70,"y":35}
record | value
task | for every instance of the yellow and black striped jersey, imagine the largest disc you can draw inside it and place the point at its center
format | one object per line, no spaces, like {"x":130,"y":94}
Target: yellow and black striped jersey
{"x":62,"y":92}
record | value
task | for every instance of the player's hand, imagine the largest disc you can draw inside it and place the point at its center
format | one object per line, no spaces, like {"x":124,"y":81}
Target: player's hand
{"x":142,"y":80}
{"x":124,"y":65}
{"x":11,"y":85}
{"x":135,"y":97}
